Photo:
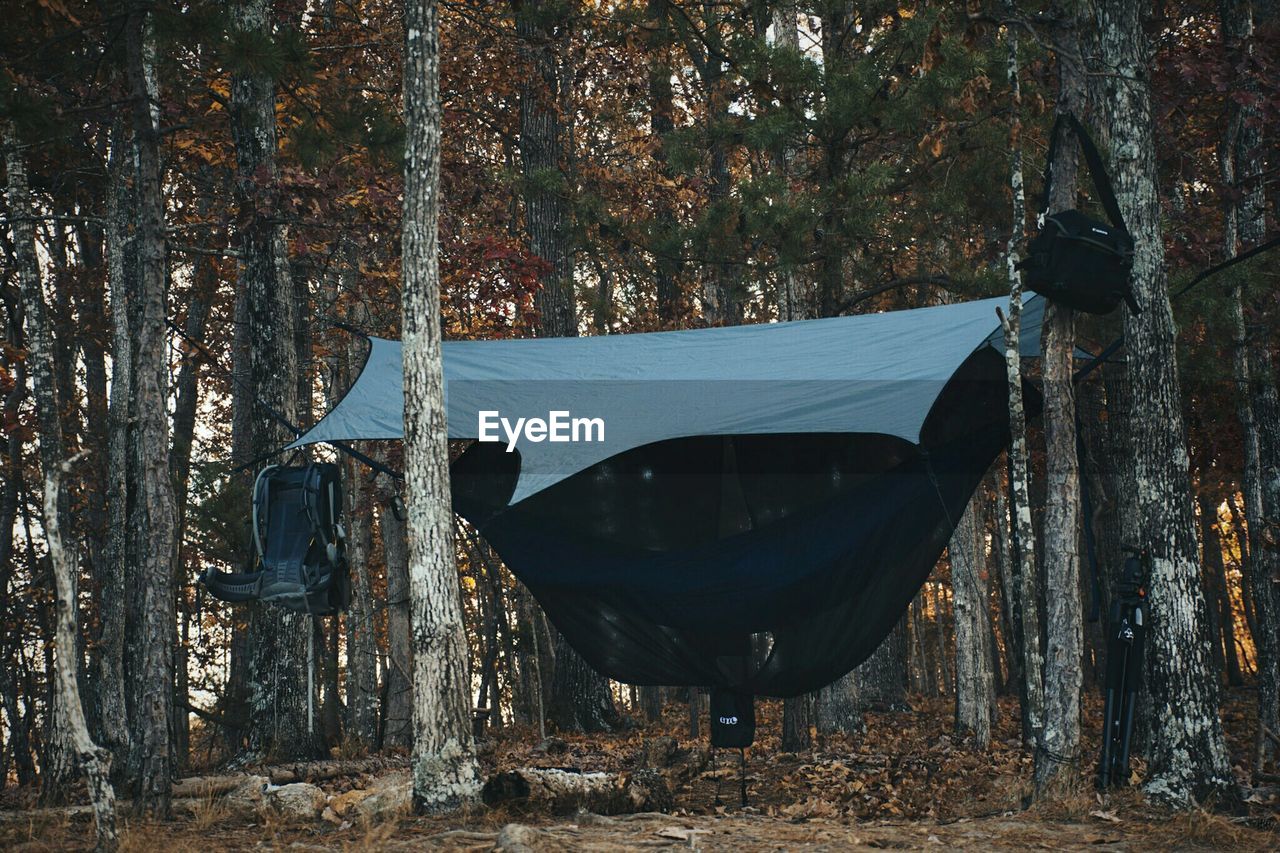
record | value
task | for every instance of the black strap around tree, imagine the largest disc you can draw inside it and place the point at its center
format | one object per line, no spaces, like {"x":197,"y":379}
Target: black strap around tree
{"x":1097,"y":171}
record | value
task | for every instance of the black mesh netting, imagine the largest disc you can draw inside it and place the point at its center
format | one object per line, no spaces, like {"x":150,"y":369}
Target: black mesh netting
{"x":660,"y":564}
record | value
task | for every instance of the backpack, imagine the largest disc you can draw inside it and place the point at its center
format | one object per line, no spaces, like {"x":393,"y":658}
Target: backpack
{"x":299,"y":542}
{"x":1075,"y":259}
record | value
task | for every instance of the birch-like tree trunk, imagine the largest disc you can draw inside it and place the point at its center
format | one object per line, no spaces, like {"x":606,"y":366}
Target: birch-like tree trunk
{"x":1256,"y":402}
{"x":58,"y":761}
{"x":282,"y":720}
{"x":975,"y":686}
{"x":1022,"y":532}
{"x":1056,"y":756}
{"x":1187,"y":754}
{"x":153,"y":520}
{"x":445,"y":773}
{"x":94,"y":760}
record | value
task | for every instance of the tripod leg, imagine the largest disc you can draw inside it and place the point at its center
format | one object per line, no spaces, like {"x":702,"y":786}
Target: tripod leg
{"x":1108,"y":739}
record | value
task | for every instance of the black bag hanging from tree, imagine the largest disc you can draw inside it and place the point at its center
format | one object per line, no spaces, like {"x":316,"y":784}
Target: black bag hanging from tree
{"x":1075,"y":259}
{"x":733,"y":718}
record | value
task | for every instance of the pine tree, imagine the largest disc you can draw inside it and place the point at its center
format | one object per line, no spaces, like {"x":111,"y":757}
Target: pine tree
{"x":282,"y":720}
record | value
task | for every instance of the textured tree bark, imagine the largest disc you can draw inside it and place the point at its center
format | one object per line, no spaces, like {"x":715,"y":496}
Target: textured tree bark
{"x":975,"y":688}
{"x":838,"y":24}
{"x":792,"y":296}
{"x":398,"y":710}
{"x":1056,"y":756}
{"x":1220,"y":627}
{"x":797,"y":717}
{"x":671,"y":302}
{"x":235,"y":698}
{"x":541,"y":26}
{"x":1256,"y":400}
{"x":281,"y":712}
{"x":362,"y":649}
{"x":1022,"y":532}
{"x":881,"y":680}
{"x":187,"y":392}
{"x":113,"y":709}
{"x":580,"y":698}
{"x":1003,"y":557}
{"x":93,"y":760}
{"x":445,"y":773}
{"x":560,"y":792}
{"x":1187,"y":754}
{"x":18,"y":741}
{"x":58,"y":760}
{"x":153,"y":521}
{"x":838,"y":707}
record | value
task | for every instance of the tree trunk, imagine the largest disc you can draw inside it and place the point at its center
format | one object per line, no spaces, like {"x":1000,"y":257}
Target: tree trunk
{"x":792,"y":298}
{"x":94,"y":761}
{"x":1221,"y":630}
{"x":580,"y":697}
{"x":975,"y":688}
{"x":797,"y":717}
{"x":1256,"y":402}
{"x":184,"y":420}
{"x":541,"y":26}
{"x":281,"y":720}
{"x":58,"y":762}
{"x":154,"y":521}
{"x":665,"y":249}
{"x":1003,"y":557}
{"x":113,"y":707}
{"x":1022,"y":532}
{"x":880,"y":681}
{"x":1057,"y":756}
{"x":837,"y":708}
{"x":445,"y":773}
{"x":398,"y":710}
{"x":362,"y":649}
{"x":1187,"y":755}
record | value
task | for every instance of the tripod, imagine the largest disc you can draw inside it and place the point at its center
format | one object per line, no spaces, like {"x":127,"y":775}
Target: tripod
{"x":1124,"y":668}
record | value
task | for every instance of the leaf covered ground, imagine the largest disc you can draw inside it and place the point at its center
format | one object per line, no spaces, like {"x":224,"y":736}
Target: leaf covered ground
{"x":908,"y":782}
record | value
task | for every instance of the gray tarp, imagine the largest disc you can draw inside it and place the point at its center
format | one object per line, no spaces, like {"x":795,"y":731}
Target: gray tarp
{"x":872,"y":373}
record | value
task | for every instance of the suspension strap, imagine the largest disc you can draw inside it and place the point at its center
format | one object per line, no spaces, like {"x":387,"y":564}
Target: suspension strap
{"x":1101,"y":181}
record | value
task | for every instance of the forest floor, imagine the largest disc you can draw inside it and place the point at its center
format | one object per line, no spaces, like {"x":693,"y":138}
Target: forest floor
{"x":907,"y":783}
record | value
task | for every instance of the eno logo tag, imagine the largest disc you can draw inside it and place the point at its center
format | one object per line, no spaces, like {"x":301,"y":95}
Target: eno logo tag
{"x":729,"y":721}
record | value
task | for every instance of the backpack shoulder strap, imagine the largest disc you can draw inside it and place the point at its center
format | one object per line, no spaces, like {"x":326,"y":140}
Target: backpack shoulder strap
{"x":1097,"y":171}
